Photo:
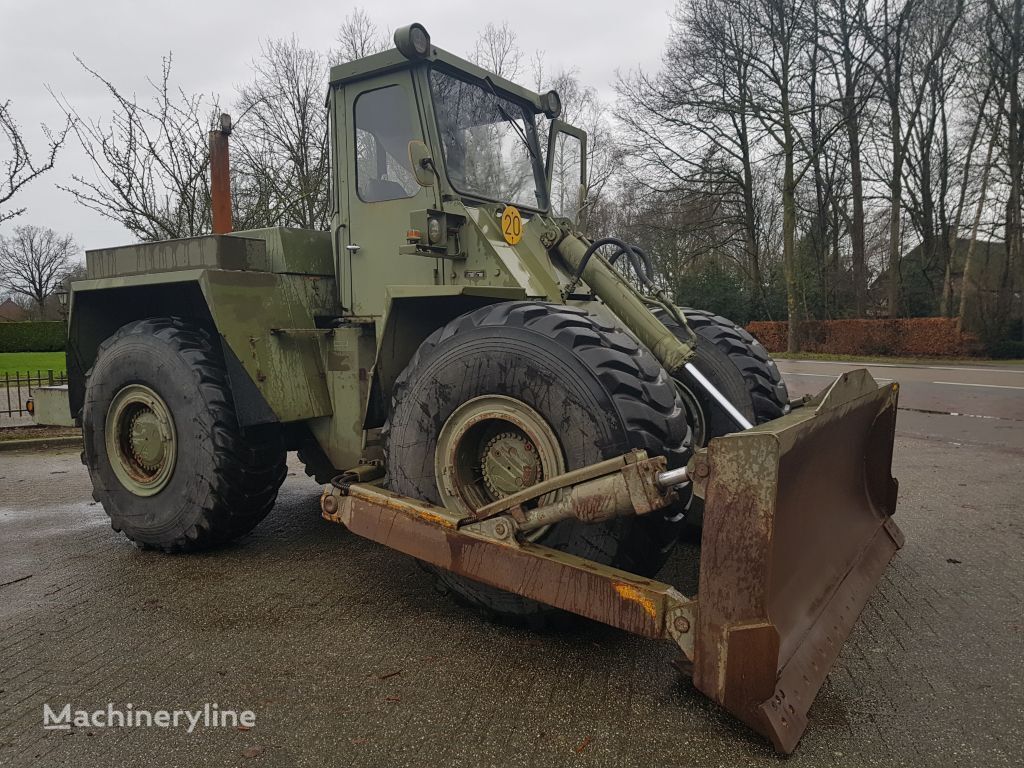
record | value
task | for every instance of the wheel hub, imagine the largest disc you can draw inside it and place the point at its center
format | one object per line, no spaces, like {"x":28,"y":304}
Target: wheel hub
{"x":493,"y":446}
{"x":509,"y":464}
{"x":140,"y":439}
{"x":147,"y":443}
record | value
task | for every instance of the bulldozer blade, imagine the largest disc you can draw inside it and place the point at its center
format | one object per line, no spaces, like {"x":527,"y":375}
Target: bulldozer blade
{"x":797,"y":533}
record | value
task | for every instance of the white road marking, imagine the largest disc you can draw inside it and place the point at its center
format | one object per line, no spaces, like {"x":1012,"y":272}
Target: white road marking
{"x":965,"y":384}
{"x":904,"y":365}
{"x":822,"y":375}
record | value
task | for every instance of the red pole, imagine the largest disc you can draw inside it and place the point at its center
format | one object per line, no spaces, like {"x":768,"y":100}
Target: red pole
{"x":220,"y":177}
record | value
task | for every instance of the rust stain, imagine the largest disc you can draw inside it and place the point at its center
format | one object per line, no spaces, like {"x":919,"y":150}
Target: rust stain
{"x":413,"y":510}
{"x":631,"y":593}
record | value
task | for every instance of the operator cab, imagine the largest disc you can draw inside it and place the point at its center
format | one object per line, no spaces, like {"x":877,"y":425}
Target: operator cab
{"x":416,"y":129}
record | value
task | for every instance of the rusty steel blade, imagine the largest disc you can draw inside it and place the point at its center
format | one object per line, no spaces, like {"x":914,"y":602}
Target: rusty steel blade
{"x":797,"y":533}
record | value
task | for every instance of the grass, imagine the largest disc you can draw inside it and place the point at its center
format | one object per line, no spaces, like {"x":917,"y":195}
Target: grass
{"x":894,"y":360}
{"x":22,"y":362}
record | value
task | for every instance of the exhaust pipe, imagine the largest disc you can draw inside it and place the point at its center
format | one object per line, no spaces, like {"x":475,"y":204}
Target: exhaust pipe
{"x":220,"y":177}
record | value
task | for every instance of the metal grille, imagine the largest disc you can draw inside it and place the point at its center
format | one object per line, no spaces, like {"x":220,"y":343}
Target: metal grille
{"x":17,"y":388}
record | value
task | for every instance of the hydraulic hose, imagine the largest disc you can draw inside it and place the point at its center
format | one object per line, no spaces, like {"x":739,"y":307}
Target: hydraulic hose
{"x":626,"y":302}
{"x":643,"y":270}
{"x":643,"y":267}
{"x":588,"y":255}
{"x":623,"y":298}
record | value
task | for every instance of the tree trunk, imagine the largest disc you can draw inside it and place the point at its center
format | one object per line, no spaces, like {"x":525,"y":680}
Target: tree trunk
{"x":953,"y":234}
{"x":750,"y":230}
{"x":789,"y":236}
{"x":895,"y":207}
{"x":967,"y":282}
{"x":860,"y":273}
{"x":1015,"y":148}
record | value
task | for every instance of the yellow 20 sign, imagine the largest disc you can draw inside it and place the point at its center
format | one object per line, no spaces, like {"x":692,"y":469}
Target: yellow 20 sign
{"x":512,"y":225}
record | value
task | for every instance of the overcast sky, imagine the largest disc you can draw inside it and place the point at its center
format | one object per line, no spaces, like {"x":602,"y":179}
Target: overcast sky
{"x":214,"y":42}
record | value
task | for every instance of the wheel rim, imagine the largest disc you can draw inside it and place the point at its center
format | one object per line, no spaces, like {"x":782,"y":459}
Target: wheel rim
{"x":491,"y":447}
{"x":141,"y":443}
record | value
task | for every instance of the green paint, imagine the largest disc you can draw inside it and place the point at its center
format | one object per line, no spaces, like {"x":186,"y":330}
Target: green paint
{"x":320,"y":320}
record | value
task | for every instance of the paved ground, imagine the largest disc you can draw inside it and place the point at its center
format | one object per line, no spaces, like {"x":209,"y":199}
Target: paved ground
{"x":349,"y":657}
{"x":980,"y":404}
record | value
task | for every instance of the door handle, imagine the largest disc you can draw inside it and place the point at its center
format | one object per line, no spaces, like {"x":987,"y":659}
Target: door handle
{"x":351,"y":247}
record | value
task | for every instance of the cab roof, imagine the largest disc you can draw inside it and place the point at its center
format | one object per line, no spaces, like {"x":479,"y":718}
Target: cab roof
{"x":392,"y":60}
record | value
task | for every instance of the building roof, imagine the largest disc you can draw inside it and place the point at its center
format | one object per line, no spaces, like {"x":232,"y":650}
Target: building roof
{"x":11,"y":312}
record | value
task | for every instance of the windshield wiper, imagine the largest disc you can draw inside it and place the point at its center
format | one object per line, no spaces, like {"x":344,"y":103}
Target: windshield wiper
{"x":510,"y":120}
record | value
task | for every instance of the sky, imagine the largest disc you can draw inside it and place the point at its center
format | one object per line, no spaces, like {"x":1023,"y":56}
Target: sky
{"x":214,"y":43}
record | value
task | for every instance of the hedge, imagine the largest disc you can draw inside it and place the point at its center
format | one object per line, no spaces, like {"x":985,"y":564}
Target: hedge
{"x":44,"y":336}
{"x":1006,"y":350}
{"x":909,"y":337}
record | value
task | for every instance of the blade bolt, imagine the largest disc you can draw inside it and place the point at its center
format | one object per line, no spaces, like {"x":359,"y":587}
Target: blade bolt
{"x":681,"y":624}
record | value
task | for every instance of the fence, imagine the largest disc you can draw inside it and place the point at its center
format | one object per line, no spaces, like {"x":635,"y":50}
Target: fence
{"x":18,"y":388}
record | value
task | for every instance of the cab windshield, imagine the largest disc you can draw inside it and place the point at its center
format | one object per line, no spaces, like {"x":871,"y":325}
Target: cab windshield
{"x":489,"y":142}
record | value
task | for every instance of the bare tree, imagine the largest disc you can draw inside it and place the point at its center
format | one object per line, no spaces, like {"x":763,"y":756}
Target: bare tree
{"x":932,"y":153}
{"x":789,"y":112}
{"x":359,"y":36}
{"x":21,"y":169}
{"x":281,"y":158}
{"x":973,"y":103}
{"x":34,"y":261}
{"x":580,"y":107}
{"x":497,"y":50}
{"x":689,"y":131}
{"x":150,"y":159}
{"x":1005,"y":37}
{"x":844,"y":45}
{"x":968,"y":286}
{"x":906,"y":35}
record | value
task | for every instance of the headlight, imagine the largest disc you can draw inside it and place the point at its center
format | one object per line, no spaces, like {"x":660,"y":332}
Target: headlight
{"x":413,"y":41}
{"x":434,"y":231}
{"x":551,"y":102}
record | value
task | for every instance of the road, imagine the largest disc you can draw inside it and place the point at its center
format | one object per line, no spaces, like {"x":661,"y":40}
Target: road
{"x":349,"y":656}
{"x":974,"y":405}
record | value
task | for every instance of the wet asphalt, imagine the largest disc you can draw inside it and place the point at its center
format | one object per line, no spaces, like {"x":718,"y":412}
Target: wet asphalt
{"x":349,"y":656}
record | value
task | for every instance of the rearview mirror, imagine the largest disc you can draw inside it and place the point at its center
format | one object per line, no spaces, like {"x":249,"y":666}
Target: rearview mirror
{"x":422,"y":163}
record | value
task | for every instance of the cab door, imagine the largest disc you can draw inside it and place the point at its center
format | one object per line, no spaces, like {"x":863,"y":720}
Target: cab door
{"x":381,"y":119}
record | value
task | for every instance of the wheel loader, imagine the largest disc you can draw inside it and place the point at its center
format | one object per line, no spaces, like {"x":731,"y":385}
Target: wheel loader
{"x":483,"y":386}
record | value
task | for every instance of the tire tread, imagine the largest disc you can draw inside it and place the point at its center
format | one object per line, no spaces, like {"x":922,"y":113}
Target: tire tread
{"x":249,"y":469}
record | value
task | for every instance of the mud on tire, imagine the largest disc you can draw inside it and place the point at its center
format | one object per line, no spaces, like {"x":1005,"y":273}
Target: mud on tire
{"x":767,"y":393}
{"x":739,"y":367}
{"x":601,"y":393}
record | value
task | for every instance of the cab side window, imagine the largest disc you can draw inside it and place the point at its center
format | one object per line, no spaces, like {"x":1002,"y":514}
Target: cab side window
{"x":383,"y":132}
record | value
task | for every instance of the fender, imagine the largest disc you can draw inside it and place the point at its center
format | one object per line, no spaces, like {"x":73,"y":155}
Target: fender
{"x":266,"y":322}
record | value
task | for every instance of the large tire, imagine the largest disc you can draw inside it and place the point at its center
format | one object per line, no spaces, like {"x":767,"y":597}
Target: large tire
{"x":739,"y":367}
{"x":599,"y":391}
{"x":769,"y":398}
{"x":205,"y":486}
